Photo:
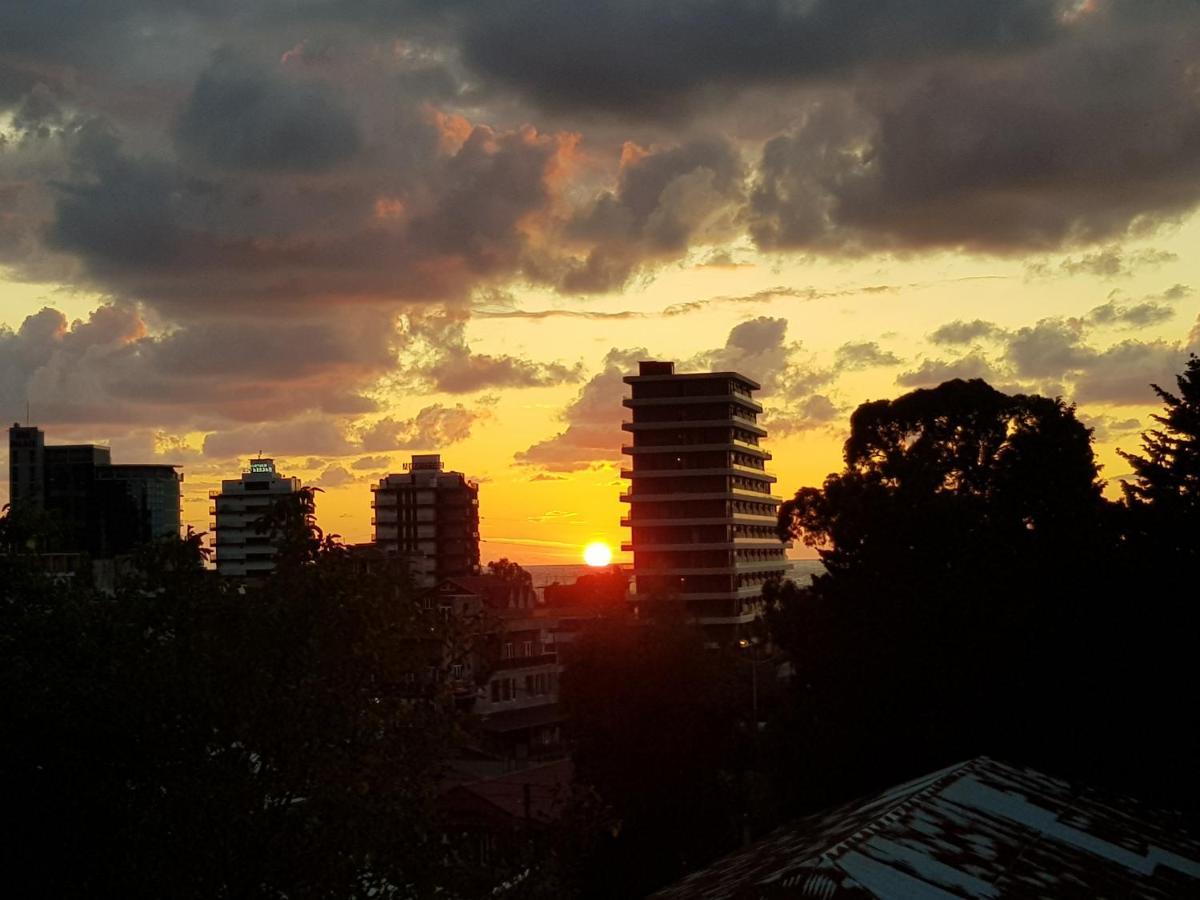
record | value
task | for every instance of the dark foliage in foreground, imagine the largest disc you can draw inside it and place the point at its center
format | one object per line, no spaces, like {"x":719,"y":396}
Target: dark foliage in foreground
{"x":1164,"y":496}
{"x":192,"y":738}
{"x":981,"y":597}
{"x":658,"y":725}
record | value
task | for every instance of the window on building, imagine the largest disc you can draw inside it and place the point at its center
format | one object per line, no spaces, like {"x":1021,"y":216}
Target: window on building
{"x":529,"y":685}
{"x":527,"y":648}
{"x":507,"y":651}
{"x":495,"y":691}
{"x":457,"y":670}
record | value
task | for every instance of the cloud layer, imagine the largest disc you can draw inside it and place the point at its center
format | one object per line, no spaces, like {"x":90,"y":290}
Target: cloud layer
{"x":289,"y":209}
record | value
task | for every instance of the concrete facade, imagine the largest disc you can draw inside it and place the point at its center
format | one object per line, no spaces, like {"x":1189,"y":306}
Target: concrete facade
{"x":430,"y":512}
{"x":701,"y":512}
{"x":244,"y":547}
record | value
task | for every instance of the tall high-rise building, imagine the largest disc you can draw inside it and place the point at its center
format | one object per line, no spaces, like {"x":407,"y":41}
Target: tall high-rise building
{"x":140,"y":503}
{"x":26,"y":466}
{"x":701,"y":510}
{"x":431,"y":515}
{"x":92,"y":506}
{"x":244,"y":543}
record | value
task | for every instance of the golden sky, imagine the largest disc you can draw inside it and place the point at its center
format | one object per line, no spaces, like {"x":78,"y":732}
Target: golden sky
{"x":343,"y":235}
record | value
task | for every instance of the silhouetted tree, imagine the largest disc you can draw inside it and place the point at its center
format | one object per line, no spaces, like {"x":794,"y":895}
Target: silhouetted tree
{"x":1160,"y":555}
{"x":291,"y":524}
{"x":1164,"y":496}
{"x":963,"y":543}
{"x":658,"y":729}
{"x":509,"y":571}
{"x":195,"y":737}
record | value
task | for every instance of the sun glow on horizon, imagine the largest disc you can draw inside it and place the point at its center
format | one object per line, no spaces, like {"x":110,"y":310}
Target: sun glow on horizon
{"x":597,"y":554}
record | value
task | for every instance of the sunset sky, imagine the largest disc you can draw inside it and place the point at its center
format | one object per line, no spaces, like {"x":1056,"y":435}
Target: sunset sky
{"x":343,"y":232}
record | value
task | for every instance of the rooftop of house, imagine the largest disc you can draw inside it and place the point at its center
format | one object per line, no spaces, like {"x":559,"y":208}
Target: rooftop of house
{"x":979,"y":829}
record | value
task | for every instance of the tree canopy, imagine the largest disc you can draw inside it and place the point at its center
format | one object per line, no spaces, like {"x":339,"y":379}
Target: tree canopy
{"x":195,"y":736}
{"x":960,"y":542}
{"x":1164,"y":495}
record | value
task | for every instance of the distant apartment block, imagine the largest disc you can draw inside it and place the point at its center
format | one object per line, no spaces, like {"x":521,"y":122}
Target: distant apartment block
{"x":92,"y":505}
{"x":430,"y":512}
{"x":701,"y":511}
{"x":244,"y":545}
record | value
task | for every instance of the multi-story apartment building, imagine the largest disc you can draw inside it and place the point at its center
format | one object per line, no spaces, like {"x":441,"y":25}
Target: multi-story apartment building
{"x":702,"y":514}
{"x":431,"y":512}
{"x":92,"y":506}
{"x":509,"y":682}
{"x":244,"y":545}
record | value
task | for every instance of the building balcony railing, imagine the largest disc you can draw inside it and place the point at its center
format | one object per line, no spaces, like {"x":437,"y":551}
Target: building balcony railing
{"x":693,"y":519}
{"x":694,"y":400}
{"x":644,"y":496}
{"x":758,"y":474}
{"x":731,"y":422}
{"x":523,"y":662}
{"x":724,"y":446}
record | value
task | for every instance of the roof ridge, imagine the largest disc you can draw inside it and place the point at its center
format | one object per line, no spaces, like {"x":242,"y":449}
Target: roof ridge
{"x":891,"y":813}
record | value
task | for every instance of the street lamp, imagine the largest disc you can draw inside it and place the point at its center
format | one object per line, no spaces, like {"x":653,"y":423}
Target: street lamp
{"x":746,"y":644}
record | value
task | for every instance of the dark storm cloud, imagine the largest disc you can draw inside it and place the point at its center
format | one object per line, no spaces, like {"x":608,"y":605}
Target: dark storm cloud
{"x":1092,"y":140}
{"x":863,"y":355}
{"x":633,"y":57}
{"x":118,"y":210}
{"x":1122,"y":374}
{"x":1049,"y":349}
{"x":433,"y":427}
{"x":960,"y":332}
{"x":460,"y":209}
{"x":592,"y":421}
{"x":470,"y":372}
{"x":493,"y":182}
{"x":327,"y":155}
{"x":1057,"y":350}
{"x":111,"y":369}
{"x":933,"y":372}
{"x":1134,"y":315}
{"x":241,"y":116}
{"x":665,"y":199}
{"x":1111,"y":262}
{"x":293,"y":437}
{"x":440,"y":359}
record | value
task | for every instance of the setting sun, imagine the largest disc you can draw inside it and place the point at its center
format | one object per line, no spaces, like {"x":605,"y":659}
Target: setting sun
{"x":597,"y":554}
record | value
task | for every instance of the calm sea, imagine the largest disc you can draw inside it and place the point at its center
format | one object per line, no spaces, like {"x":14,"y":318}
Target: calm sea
{"x":802,"y":571}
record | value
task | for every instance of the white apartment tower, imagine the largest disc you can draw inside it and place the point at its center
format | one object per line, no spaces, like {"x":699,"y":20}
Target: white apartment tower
{"x":243,"y":546}
{"x":701,"y":510}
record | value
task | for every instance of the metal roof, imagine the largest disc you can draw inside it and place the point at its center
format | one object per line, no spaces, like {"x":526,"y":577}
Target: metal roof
{"x":980,"y":829}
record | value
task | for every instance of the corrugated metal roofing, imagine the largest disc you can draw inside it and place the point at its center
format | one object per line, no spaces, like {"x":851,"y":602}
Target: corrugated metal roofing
{"x":981,"y":829}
